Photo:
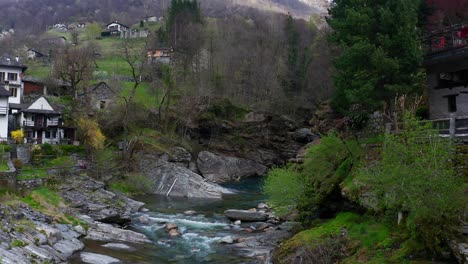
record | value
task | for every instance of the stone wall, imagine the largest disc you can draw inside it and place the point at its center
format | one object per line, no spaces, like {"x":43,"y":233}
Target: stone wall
{"x":8,"y":178}
{"x":24,"y":185}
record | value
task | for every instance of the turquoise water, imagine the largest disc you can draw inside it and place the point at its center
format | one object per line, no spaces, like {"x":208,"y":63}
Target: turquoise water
{"x":201,"y":232}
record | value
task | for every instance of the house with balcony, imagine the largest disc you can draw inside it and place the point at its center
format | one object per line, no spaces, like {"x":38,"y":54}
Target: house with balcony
{"x":446,"y":63}
{"x":42,"y":123}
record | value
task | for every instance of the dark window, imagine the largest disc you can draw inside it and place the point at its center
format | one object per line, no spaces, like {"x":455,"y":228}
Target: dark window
{"x":452,"y":103}
{"x":12,"y":76}
{"x":14,"y":92}
{"x":2,"y":76}
{"x":47,"y":134}
{"x":54,"y":134}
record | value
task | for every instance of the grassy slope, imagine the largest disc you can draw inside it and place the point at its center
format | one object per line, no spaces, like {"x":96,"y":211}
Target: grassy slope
{"x":366,"y":240}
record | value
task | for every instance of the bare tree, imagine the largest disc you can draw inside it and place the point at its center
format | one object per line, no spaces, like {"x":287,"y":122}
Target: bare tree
{"x":75,"y":66}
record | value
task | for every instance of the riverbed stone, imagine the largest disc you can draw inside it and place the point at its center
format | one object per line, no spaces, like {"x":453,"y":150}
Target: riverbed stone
{"x":108,"y":233}
{"x":262,"y":206}
{"x":220,"y":169}
{"x":119,"y":246}
{"x":227,"y":240}
{"x":174,"y":232}
{"x":144,"y":219}
{"x":245,"y":215}
{"x":92,"y":258}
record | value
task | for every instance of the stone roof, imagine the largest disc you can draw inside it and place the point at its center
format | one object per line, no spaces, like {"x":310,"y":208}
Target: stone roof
{"x":4,"y":92}
{"x":9,"y":61}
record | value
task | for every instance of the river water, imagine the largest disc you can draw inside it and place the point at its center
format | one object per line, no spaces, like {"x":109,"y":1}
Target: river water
{"x":201,"y":232}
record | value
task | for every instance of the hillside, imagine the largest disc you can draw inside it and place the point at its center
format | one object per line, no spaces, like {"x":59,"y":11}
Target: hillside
{"x":37,"y":15}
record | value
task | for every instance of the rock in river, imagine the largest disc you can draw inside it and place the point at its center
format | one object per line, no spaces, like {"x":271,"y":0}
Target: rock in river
{"x":92,"y":258}
{"x":220,"y":169}
{"x":175,"y":181}
{"x":245,"y":215}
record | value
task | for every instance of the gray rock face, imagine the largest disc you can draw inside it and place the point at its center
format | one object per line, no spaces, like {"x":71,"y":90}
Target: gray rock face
{"x":178,"y":154}
{"x":90,"y":198}
{"x":304,"y":135}
{"x":220,"y":169}
{"x":92,"y":258}
{"x":108,"y":233}
{"x":176,"y":181}
{"x":245,"y":216}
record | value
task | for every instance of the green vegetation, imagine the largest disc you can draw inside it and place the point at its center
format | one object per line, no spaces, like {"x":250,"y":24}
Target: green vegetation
{"x":18,"y":243}
{"x":350,"y":238}
{"x":133,"y":184}
{"x":4,"y":165}
{"x":379,"y":58}
{"x":285,"y":188}
{"x":415,"y":176}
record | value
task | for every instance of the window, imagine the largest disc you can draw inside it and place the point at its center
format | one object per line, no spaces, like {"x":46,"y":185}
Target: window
{"x":102,"y":104}
{"x":54,"y":134}
{"x":2,"y":76}
{"x":452,"y":103}
{"x":47,"y":134}
{"x":12,"y":76}
{"x":14,"y":91}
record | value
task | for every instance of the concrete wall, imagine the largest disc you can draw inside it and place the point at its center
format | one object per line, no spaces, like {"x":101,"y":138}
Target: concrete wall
{"x":438,"y":101}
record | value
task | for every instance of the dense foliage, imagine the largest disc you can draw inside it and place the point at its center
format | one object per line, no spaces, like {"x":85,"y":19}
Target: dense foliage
{"x":380,"y":52}
{"x":415,"y":175}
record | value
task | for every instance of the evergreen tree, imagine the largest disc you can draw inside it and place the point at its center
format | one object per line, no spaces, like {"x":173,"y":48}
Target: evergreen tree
{"x":380,"y":51}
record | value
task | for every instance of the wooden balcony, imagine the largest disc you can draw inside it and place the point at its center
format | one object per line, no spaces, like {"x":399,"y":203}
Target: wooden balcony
{"x":450,"y":43}
{"x":41,"y":123}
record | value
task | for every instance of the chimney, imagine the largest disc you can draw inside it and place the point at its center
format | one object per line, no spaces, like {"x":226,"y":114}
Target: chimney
{"x":17,"y":59}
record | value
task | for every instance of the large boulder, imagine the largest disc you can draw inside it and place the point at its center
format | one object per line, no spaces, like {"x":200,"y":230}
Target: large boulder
{"x":93,"y":258}
{"x":220,"y":169}
{"x":175,"y":181}
{"x":245,"y":215}
{"x":89,"y":197}
{"x":304,"y":135}
{"x":108,"y":233}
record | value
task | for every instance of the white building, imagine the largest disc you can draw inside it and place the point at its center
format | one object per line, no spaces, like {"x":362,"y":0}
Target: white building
{"x":4,"y":94}
{"x":42,"y":123}
{"x":116,"y":26}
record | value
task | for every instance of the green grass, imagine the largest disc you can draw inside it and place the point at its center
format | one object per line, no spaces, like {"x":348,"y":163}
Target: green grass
{"x":42,"y":198}
{"x":145,"y":95}
{"x":367,"y":240}
{"x":30,"y":172}
{"x":4,"y":165}
{"x":38,"y":69}
{"x":113,"y":65}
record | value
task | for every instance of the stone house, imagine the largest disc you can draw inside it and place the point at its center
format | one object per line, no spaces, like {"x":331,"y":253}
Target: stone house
{"x":446,"y":63}
{"x":99,"y":97}
{"x":160,"y":55}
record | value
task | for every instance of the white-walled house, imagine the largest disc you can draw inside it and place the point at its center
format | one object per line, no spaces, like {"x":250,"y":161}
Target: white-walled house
{"x":42,"y":123}
{"x":4,"y":94}
{"x":11,"y":72}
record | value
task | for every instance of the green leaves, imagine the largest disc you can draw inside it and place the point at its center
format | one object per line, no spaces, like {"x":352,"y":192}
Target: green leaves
{"x":380,"y":50}
{"x":416,"y":175}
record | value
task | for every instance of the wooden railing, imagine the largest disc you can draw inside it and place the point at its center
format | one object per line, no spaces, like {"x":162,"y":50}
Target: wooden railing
{"x":3,"y":110}
{"x":44,"y":123}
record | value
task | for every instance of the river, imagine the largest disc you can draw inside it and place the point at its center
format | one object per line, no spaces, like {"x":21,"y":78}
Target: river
{"x":201,"y":232}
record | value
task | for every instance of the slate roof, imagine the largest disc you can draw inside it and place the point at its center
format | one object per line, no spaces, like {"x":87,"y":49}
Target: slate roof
{"x":9,"y":61}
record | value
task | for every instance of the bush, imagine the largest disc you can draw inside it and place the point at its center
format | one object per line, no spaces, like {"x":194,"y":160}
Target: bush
{"x":36,"y":156}
{"x":18,"y":164}
{"x":284,"y":187}
{"x":415,"y":175}
{"x":18,"y":136}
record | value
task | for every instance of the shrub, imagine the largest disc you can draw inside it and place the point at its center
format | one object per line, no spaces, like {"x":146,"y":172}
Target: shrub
{"x":36,"y":156}
{"x":18,"y":136}
{"x":18,"y":164}
{"x":133,"y":184}
{"x":415,"y":175}
{"x":284,"y":187}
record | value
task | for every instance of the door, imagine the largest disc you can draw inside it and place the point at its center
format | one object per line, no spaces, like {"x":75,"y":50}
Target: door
{"x":39,"y":137}
{"x":39,"y":121}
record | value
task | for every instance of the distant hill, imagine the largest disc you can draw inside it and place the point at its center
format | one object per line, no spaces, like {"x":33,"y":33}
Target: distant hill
{"x":36,"y":15}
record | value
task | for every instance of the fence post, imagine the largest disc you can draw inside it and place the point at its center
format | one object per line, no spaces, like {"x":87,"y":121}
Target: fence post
{"x":452,"y":128}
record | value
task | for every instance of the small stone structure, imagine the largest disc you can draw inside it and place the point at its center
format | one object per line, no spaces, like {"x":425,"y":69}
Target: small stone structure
{"x":8,"y":178}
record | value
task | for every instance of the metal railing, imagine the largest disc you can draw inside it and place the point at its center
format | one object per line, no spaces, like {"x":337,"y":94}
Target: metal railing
{"x":453,"y":127}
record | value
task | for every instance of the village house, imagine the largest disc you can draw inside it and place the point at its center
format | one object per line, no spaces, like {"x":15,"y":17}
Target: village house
{"x":151,"y":19}
{"x":114,"y":29}
{"x":35,"y":86}
{"x":446,"y":62}
{"x":33,"y":54}
{"x":160,"y":55}
{"x":60,"y":27}
{"x":43,"y":123}
{"x":98,"y":97}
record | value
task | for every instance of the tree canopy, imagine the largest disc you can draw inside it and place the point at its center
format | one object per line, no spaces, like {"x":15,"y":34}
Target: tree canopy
{"x":380,"y":51}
